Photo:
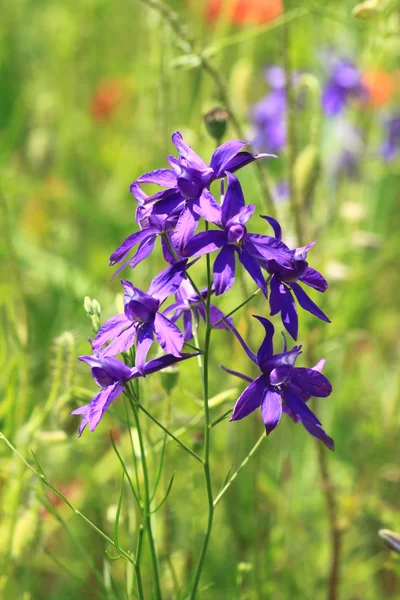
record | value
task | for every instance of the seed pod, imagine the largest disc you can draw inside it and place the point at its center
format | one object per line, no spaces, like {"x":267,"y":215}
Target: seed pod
{"x":216,"y":121}
{"x":305,"y":174}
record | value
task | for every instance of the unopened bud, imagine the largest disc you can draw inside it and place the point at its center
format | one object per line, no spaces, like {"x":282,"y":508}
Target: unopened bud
{"x":216,"y":121}
{"x":95,"y":322}
{"x":87,"y":304}
{"x":391,"y":539}
{"x":96,"y":306}
{"x":169,"y":378}
{"x":366,"y":9}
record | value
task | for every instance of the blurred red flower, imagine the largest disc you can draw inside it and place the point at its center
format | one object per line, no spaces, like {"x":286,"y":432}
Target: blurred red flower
{"x":243,"y":12}
{"x":380,"y":86}
{"x":105,"y":100}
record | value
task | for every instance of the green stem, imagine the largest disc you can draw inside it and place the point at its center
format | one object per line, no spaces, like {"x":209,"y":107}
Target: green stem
{"x":236,"y":473}
{"x":207,"y":433}
{"x":147,"y":502}
{"x":137,"y":565}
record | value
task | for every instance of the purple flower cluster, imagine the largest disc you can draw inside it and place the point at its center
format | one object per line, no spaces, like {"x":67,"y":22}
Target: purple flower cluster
{"x":344,"y":84}
{"x":173,"y":214}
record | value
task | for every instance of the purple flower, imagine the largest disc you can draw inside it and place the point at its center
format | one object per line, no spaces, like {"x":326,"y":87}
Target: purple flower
{"x":281,"y":387}
{"x":188,"y":305}
{"x":283,"y":281}
{"x":141,"y":320}
{"x":110,"y":374}
{"x":186,"y":184}
{"x":268,"y":115}
{"x":344,"y":83}
{"x":391,"y":146}
{"x":233,"y":239}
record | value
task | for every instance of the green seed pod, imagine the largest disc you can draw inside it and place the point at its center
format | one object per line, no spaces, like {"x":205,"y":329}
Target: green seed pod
{"x":169,"y":378}
{"x":305,"y":174}
{"x":216,"y":121}
{"x":87,"y":305}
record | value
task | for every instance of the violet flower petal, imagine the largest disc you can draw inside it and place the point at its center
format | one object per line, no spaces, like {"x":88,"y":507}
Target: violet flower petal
{"x":168,"y":281}
{"x":124,"y":341}
{"x":204,"y":243}
{"x":314,"y":279}
{"x":224,"y":270}
{"x":233,"y":200}
{"x":271,"y":409}
{"x":223,"y":154}
{"x":144,"y":340}
{"x":168,"y":335}
{"x":295,"y":403}
{"x":275,"y":226}
{"x":254,"y":270}
{"x":250,"y":399}
{"x":306,"y":302}
{"x":311,"y":381}
{"x":109,"y":330}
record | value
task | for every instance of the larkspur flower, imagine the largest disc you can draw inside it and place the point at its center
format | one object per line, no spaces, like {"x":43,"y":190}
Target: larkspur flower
{"x":233,"y":238}
{"x":268,"y":114}
{"x":189,"y":306}
{"x":391,"y":145}
{"x":281,"y":387}
{"x":283,"y":281}
{"x":187,"y":184}
{"x":110,"y":374}
{"x":345,"y":83}
{"x":142,"y":320}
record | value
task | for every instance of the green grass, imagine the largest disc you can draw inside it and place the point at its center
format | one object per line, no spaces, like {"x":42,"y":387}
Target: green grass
{"x":65,"y":206}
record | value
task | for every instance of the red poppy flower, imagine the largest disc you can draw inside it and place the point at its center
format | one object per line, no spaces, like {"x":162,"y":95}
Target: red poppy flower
{"x":105,"y":100}
{"x":380,"y":87}
{"x":243,"y":12}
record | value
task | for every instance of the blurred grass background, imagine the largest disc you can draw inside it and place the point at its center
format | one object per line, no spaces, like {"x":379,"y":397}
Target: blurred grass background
{"x":91,"y":92}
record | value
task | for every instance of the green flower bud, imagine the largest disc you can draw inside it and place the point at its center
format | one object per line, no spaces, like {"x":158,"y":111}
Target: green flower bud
{"x":87,"y":305}
{"x":96,"y":307}
{"x":216,"y":121}
{"x":95,"y":323}
{"x":169,"y":378}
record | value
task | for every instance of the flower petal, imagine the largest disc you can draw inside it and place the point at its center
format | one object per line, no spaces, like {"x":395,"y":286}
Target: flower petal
{"x":185,"y":227}
{"x":109,"y":330}
{"x":250,"y":399}
{"x":224,"y":154}
{"x":162,"y":362}
{"x":130,"y":242}
{"x":224,"y":270}
{"x":207,"y":207}
{"x":314,"y":279}
{"x":266,"y":247}
{"x":333,"y":99}
{"x":319,"y":433}
{"x":144,"y":340}
{"x":236,"y":374}
{"x":312,"y":382}
{"x":244,"y":158}
{"x":124,"y":341}
{"x":168,"y":281}
{"x":296,"y":404}
{"x":204,"y":243}
{"x":266,"y":350}
{"x":186,"y":152}
{"x":168,"y":335}
{"x":271,"y":409}
{"x":216,"y":315}
{"x":306,"y":302}
{"x":144,"y":250}
{"x":93,"y":412}
{"x":233,"y":200}
{"x":187,"y":326}
{"x":254,"y":270}
{"x":281,"y":300}
{"x":275,"y":226}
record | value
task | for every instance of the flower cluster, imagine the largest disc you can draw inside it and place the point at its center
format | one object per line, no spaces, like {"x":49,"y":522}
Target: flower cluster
{"x":173,"y":214}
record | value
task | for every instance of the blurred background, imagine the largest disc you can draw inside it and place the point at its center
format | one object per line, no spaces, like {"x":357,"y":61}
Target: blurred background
{"x":91,"y":93}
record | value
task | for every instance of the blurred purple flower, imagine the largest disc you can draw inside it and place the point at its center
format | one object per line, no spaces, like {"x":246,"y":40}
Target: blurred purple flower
{"x":283,"y":281}
{"x":189,"y":306}
{"x":344,"y":83}
{"x":391,"y":145}
{"x":251,"y":248}
{"x":141,"y":320}
{"x":110,"y":374}
{"x":268,"y":115}
{"x":281,"y":387}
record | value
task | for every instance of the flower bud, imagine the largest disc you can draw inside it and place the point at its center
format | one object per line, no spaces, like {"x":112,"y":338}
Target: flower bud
{"x":87,"y":304}
{"x":391,"y":539}
{"x":216,"y":121}
{"x":169,"y":378}
{"x":96,"y":306}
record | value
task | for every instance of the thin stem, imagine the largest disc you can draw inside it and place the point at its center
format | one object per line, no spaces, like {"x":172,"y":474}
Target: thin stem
{"x":137,"y":566}
{"x":207,"y":433}
{"x":47,"y":483}
{"x":253,"y":295}
{"x":147,"y":502}
{"x":190,"y":46}
{"x":236,"y":473}
{"x":169,"y":433}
